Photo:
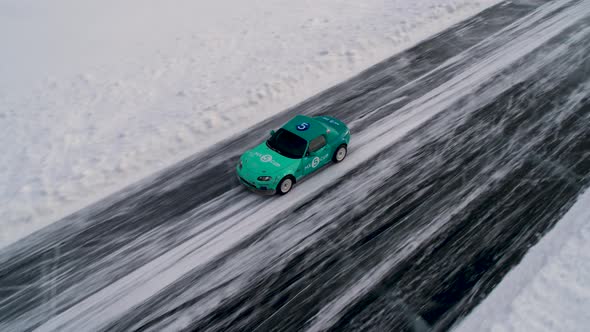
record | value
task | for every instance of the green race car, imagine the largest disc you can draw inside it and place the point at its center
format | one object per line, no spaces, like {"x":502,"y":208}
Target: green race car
{"x":299,"y":148}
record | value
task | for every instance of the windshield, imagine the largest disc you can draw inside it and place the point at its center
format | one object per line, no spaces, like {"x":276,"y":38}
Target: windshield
{"x":287,"y":144}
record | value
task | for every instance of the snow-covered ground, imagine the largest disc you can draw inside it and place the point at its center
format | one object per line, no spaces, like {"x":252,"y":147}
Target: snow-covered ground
{"x":550,"y":288}
{"x":97,"y":94}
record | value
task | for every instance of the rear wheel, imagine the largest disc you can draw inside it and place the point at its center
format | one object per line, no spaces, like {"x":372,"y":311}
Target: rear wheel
{"x":285,"y":185}
{"x":340,"y":153}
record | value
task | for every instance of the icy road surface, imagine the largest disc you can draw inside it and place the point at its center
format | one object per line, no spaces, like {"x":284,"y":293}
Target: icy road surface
{"x":466,"y":150}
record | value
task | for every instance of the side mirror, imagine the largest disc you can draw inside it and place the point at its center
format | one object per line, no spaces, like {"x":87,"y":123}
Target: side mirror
{"x":272,"y":133}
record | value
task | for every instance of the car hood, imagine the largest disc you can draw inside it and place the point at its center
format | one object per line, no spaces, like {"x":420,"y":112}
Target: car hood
{"x":265,"y":161}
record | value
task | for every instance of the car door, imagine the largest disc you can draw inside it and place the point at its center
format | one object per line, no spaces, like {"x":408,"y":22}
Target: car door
{"x":317,"y":155}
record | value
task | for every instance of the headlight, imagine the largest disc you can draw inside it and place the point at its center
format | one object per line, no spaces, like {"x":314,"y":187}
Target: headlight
{"x":264,"y":178}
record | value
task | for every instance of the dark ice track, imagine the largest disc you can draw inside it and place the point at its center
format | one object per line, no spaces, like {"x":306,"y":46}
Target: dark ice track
{"x":410,"y":239}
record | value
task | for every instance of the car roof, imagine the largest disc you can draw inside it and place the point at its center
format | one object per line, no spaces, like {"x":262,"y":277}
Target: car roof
{"x":314,"y":130}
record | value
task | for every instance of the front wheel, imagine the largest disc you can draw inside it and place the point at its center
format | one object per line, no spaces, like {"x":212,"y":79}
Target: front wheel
{"x":340,"y":153}
{"x":285,"y":185}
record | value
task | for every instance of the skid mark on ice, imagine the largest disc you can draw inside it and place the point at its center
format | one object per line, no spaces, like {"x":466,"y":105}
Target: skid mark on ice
{"x":227,"y":274}
{"x":520,"y":75}
{"x":111,"y":302}
{"x":534,"y":294}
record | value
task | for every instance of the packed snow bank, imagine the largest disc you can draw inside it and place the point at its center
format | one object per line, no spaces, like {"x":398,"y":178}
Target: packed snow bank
{"x":549,"y":290}
{"x":97,"y":94}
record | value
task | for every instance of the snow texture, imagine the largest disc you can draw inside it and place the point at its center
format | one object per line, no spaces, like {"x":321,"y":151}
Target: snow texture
{"x":96,"y":95}
{"x":550,"y":288}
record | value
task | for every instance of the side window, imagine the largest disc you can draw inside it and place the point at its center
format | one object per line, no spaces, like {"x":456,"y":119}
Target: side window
{"x":317,"y":143}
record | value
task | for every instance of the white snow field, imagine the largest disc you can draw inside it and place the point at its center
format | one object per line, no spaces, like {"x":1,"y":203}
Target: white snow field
{"x":95,"y":95}
{"x":549,"y":290}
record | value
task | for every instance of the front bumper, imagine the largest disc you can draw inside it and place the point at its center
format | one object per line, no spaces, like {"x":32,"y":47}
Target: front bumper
{"x":262,"y":190}
{"x":259,"y":188}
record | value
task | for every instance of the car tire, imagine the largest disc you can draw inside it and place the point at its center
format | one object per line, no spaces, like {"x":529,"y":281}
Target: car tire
{"x":285,"y":185}
{"x":340,"y":153}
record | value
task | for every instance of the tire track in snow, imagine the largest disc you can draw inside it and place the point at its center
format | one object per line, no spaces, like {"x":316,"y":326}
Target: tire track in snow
{"x":162,"y":204}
